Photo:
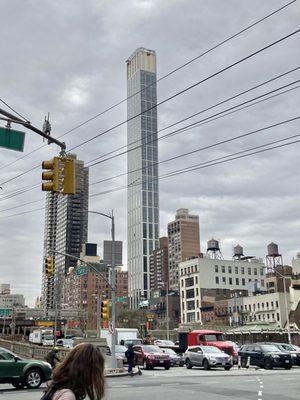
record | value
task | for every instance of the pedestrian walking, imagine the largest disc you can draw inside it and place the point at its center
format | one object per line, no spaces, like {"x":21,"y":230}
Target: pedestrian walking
{"x":52,"y":357}
{"x":79,"y":375}
{"x":129,"y":354}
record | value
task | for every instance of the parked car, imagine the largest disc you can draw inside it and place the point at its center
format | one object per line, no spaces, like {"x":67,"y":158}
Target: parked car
{"x":21,"y":372}
{"x":161,"y":342}
{"x":151,"y":356}
{"x":120,"y":352}
{"x":207,"y":357}
{"x":288,"y":348}
{"x":176,"y":359}
{"x":67,"y":343}
{"x":266,"y":356}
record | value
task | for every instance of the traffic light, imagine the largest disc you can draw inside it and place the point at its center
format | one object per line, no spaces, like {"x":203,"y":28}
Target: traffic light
{"x":105,"y":310}
{"x":68,"y":176}
{"x":49,"y":266}
{"x":51,"y":176}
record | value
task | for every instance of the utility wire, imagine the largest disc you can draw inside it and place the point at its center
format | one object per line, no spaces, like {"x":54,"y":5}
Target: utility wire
{"x":207,"y":164}
{"x":199,"y":149}
{"x":22,"y":205}
{"x":12,"y":109}
{"x":187,"y":127}
{"x":188,"y":88}
{"x":201,"y":111}
{"x":160,"y":79}
{"x":195,"y":124}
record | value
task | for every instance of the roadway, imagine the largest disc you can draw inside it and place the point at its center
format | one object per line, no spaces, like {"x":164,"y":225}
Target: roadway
{"x":180,"y":383}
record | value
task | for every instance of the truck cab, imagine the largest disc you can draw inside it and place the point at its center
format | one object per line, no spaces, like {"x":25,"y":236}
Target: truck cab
{"x":209,"y":338}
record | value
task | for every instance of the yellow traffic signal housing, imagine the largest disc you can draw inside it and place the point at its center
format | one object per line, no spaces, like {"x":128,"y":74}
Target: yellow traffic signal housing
{"x":105,"y":310}
{"x":51,"y":176}
{"x":68,"y":173}
{"x":49,"y":266}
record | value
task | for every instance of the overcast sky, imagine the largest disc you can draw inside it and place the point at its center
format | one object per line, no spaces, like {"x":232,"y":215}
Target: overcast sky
{"x":68,"y":58}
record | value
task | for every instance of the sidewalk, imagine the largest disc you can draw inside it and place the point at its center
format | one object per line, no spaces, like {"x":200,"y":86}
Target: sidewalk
{"x":118,"y":372}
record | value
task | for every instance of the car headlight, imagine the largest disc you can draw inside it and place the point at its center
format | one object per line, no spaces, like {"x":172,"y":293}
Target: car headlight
{"x":294,"y":355}
{"x":275,"y":356}
{"x":212,"y":358}
{"x":46,"y":364}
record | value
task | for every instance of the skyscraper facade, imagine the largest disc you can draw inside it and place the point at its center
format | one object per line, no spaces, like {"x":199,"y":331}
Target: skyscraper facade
{"x":66,"y":228}
{"x":184,"y":242}
{"x":143,"y":201}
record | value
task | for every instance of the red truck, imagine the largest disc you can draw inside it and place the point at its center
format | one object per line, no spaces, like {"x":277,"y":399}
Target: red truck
{"x":207,"y":337}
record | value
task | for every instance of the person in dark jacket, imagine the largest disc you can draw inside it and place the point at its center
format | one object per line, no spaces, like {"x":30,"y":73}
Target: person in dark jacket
{"x":129,"y":354}
{"x":52,"y":357}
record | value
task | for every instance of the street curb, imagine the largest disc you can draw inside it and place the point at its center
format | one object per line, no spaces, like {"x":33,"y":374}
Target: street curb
{"x":121,"y":374}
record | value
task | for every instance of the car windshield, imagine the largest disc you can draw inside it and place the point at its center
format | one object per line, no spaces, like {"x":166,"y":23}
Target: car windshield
{"x":167,"y":342}
{"x":286,"y":347}
{"x":121,"y":349}
{"x":211,"y":349}
{"x":169,"y":351}
{"x":216,"y":337}
{"x":270,"y":348}
{"x":48,"y":337}
{"x":152,"y":349}
{"x":6,"y":355}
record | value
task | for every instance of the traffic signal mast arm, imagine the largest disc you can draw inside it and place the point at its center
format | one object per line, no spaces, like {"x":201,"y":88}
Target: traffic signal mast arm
{"x":14,"y":119}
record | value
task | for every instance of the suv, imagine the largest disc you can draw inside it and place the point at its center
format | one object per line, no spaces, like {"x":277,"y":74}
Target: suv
{"x":289,"y":348}
{"x":207,"y":357}
{"x":21,"y":372}
{"x":151,"y":356}
{"x":265,"y":355}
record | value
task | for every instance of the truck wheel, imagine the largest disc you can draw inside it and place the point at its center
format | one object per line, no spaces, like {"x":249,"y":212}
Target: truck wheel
{"x":227,"y":368}
{"x":145,"y":365}
{"x":206,"y":365}
{"x":188,"y":364}
{"x":33,"y":378}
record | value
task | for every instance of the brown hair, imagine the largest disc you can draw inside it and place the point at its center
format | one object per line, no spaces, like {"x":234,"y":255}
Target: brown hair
{"x":82,"y":371}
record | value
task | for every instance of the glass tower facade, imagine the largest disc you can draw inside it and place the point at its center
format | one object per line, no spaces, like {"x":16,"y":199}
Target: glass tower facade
{"x":143,"y":201}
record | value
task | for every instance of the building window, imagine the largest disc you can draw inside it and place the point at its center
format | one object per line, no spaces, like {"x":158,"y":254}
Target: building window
{"x":267,"y":304}
{"x":190,"y":317}
{"x":182,"y":282}
{"x":237,"y":282}
{"x":262,"y":282}
{"x":272,"y":304}
{"x":196,"y":280}
{"x":224,"y":280}
{"x":190,"y":293}
{"x":230,"y":281}
{"x":236,"y":270}
{"x":183,"y":305}
{"x":243,"y":281}
{"x":190,"y":305}
{"x":197,"y":291}
{"x":243,"y":270}
{"x":216,"y":268}
{"x":223,"y":269}
{"x":261,"y":271}
{"x":182,"y":294}
{"x":229,"y":270}
{"x":189,"y":282}
{"x":197,"y":303}
{"x":217,"y":280}
{"x":277,"y":304}
{"x":249,"y":271}
{"x":278,"y":317}
{"x":255,"y":271}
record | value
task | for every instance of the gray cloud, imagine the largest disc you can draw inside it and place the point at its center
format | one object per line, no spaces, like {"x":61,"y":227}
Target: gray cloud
{"x":69,"y":59}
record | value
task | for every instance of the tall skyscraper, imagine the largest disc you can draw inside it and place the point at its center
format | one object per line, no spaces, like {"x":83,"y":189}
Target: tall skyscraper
{"x":66,"y":228}
{"x":142,"y":205}
{"x":184,"y":242}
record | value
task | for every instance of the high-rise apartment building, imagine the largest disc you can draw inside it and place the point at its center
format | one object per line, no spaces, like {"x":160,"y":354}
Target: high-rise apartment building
{"x":184,"y":242}
{"x":159,"y":266}
{"x":142,"y":206}
{"x":66,"y":228}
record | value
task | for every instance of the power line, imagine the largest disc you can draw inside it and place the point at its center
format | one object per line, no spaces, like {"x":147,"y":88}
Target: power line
{"x":12,"y":109}
{"x":188,"y":88}
{"x":200,"y":149}
{"x":187,"y":127}
{"x":197,"y":123}
{"x":22,"y":205}
{"x":23,"y":213}
{"x":203,"y":110}
{"x":158,"y":80}
{"x":207,"y":164}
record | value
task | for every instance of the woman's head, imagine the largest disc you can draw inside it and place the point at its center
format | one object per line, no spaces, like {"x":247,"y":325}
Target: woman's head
{"x":82,"y":371}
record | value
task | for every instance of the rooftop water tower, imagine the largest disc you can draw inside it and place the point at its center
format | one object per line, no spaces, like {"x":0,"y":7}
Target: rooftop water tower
{"x":238,"y":252}
{"x":213,"y":250}
{"x":273,"y":258}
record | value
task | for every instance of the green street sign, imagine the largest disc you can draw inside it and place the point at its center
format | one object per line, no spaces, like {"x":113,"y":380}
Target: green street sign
{"x":81,"y":271}
{"x":5,"y":312}
{"x":120,"y":299}
{"x":11,"y":139}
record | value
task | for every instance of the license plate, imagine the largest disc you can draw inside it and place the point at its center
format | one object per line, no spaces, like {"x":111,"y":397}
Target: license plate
{"x":287,"y":361}
{"x":161,"y":361}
